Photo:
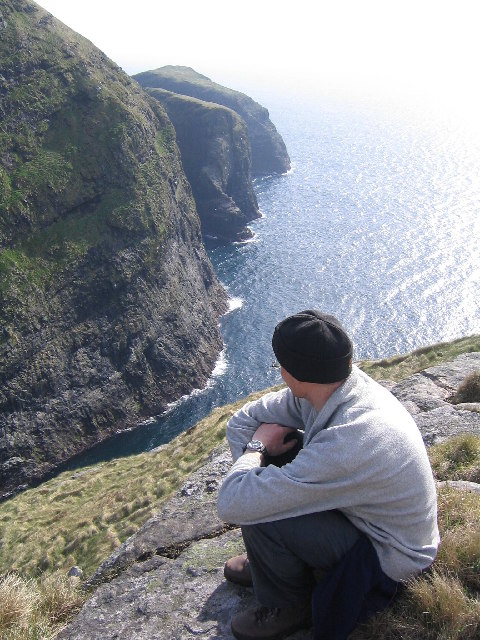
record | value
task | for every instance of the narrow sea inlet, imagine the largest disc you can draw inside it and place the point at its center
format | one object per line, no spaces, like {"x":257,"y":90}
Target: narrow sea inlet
{"x":377,"y":223}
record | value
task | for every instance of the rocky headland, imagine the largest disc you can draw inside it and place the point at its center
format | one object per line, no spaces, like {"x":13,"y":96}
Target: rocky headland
{"x":216,"y":156}
{"x":166,"y":581}
{"x":269,"y":154}
{"x":108,"y":302}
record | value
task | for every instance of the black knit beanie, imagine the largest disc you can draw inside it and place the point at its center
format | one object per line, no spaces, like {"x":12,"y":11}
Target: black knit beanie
{"x":313,"y":347}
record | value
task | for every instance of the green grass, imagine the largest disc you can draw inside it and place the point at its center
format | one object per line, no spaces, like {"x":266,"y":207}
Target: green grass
{"x":457,"y":458}
{"x":80,"y":518}
{"x":401,"y":366}
{"x":469,"y":390}
{"x":36,"y":610}
{"x":48,"y":251}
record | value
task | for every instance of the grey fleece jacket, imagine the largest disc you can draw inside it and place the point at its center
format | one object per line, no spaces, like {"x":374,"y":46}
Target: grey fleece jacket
{"x":363,"y":454}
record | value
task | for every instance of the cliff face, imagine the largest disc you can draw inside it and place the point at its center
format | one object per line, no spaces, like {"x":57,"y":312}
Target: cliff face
{"x":108,"y":303}
{"x":215,"y":150}
{"x":269,"y":154}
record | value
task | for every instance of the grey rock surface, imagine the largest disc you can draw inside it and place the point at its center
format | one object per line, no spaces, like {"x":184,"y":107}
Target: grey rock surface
{"x":167,"y":599}
{"x":425,"y":395}
{"x":190,"y":515}
{"x":463,"y":485}
{"x":166,"y":582}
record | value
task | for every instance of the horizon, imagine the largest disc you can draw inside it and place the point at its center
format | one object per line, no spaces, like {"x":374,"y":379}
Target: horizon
{"x":419,"y":56}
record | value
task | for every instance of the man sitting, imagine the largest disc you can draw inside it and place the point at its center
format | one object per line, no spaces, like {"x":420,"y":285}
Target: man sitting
{"x":353,"y":514}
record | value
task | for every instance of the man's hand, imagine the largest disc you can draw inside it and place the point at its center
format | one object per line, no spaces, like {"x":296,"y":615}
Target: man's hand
{"x":272,"y":435}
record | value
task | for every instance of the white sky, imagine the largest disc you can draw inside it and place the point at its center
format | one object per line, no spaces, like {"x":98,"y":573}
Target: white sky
{"x":427,"y":50}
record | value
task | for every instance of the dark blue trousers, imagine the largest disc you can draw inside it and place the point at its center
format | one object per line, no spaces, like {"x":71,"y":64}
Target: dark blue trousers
{"x":353,"y":590}
{"x":286,"y":557}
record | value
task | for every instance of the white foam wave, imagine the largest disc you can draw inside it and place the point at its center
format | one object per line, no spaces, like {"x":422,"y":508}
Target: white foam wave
{"x":221,"y":364}
{"x":252,"y":238}
{"x":171,"y":406}
{"x":220,"y":367}
{"x":234,"y":303}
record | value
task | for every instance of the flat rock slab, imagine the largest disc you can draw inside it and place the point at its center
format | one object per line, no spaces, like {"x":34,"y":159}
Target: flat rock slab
{"x":425,"y":395}
{"x":166,"y":582}
{"x":446,"y":421}
{"x":190,"y":515}
{"x":163,"y":599}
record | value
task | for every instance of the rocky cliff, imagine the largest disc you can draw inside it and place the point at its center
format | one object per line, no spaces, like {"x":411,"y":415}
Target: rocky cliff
{"x":216,"y":156}
{"x":108,"y":303}
{"x":269,"y":154}
{"x":167,"y":581}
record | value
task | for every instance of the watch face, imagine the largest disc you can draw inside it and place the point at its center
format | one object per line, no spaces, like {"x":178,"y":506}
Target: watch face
{"x":256,"y":445}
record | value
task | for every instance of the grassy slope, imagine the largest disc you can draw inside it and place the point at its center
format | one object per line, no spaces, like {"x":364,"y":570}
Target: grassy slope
{"x":399,"y":367}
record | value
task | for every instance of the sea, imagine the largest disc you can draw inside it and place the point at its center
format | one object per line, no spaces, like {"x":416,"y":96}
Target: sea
{"x":377,"y":223}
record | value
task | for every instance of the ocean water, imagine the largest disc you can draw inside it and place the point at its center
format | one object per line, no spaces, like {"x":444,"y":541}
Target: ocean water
{"x":377,"y":223}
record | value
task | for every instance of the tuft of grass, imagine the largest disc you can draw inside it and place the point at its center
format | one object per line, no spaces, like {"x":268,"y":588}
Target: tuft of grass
{"x":459,"y":552}
{"x":468,"y":390}
{"x":17,"y":602}
{"x":443,"y":604}
{"x":457,"y":458}
{"x":37,"y":609}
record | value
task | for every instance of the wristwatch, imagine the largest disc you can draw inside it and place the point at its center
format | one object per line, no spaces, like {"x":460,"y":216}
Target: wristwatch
{"x":255,"y":445}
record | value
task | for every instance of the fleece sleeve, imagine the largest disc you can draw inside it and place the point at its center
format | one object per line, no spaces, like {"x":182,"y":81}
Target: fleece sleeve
{"x":312,"y":482}
{"x":341,"y":468}
{"x":277,"y":407}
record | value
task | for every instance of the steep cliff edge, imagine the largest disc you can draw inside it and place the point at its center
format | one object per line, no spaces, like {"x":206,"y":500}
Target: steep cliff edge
{"x":269,"y":154}
{"x":108,"y":303}
{"x":216,"y":157}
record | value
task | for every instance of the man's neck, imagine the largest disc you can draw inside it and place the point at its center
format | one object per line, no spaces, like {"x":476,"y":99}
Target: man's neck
{"x":318,"y":394}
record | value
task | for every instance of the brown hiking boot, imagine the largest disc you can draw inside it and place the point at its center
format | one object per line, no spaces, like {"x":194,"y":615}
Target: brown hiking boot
{"x":266,"y":623}
{"x":237,"y":570}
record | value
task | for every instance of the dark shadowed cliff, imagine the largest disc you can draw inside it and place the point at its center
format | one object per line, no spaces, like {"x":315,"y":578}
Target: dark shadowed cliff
{"x":108,"y":303}
{"x":215,"y":150}
{"x":269,"y":154}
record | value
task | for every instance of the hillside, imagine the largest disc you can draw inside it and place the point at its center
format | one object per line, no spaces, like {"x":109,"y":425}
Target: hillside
{"x":269,"y":154}
{"x":108,"y":303}
{"x":214,"y":145}
{"x":167,"y":577}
